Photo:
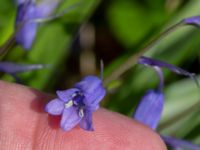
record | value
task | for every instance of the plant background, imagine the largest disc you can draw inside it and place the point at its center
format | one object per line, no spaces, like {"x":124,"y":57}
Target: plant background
{"x":113,"y":31}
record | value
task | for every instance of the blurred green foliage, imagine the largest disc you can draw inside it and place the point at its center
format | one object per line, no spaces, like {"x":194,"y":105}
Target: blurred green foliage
{"x":131,"y":24}
{"x":51,"y":45}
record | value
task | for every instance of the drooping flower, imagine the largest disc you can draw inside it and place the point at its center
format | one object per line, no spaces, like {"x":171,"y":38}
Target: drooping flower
{"x":151,"y":104}
{"x":150,"y":108}
{"x":150,"y":119}
{"x":13,"y":68}
{"x":27,"y":12}
{"x":77,"y":104}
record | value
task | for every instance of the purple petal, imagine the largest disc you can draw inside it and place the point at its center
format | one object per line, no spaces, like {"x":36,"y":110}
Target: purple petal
{"x":26,"y":35}
{"x":92,"y":88}
{"x":12,"y":68}
{"x":70,"y":118}
{"x":89,"y":84}
{"x":95,"y":97}
{"x":86,"y":122}
{"x":45,"y":8}
{"x":92,"y":108}
{"x":25,"y":11}
{"x":150,"y":108}
{"x":153,"y":62}
{"x":67,"y":95}
{"x":55,"y":107}
{"x":194,"y":20}
{"x":177,"y":143}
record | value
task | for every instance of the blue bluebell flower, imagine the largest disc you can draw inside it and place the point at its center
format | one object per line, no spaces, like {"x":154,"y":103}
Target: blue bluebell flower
{"x":150,"y":108}
{"x":151,"y":104}
{"x":77,"y":104}
{"x":27,"y":12}
{"x":13,"y":68}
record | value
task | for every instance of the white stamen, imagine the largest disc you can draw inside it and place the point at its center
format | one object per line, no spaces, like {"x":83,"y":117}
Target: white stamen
{"x":74,"y":95}
{"x":81,"y":113}
{"x":69,"y":104}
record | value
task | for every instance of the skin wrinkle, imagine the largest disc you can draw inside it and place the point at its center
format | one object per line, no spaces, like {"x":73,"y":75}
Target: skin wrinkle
{"x":42,"y":131}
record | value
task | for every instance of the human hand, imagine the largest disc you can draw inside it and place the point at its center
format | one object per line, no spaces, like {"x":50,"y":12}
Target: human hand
{"x":24,"y":125}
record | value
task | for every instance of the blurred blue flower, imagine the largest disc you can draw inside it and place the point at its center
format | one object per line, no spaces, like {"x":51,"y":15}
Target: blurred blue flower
{"x":27,"y":12}
{"x":151,"y":105}
{"x":13,"y":68}
{"x":194,"y":20}
{"x":77,"y":104}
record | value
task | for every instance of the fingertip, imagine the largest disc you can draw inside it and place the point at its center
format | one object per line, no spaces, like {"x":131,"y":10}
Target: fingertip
{"x":23,"y":120}
{"x":111,"y":131}
{"x":125,"y":132}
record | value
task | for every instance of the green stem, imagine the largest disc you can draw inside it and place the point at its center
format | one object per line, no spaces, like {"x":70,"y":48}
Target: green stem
{"x":8,"y":45}
{"x":130,"y":62}
{"x":11,"y":41}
